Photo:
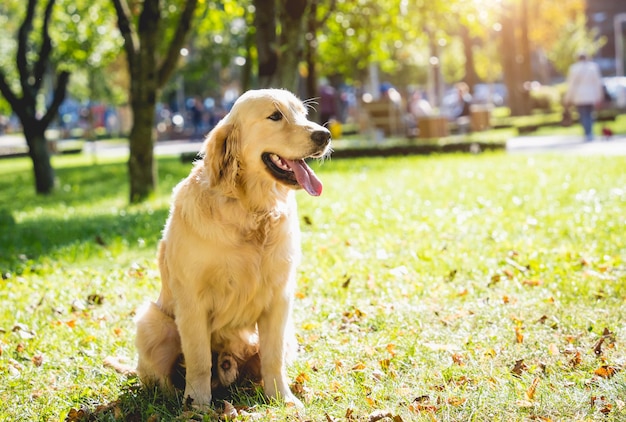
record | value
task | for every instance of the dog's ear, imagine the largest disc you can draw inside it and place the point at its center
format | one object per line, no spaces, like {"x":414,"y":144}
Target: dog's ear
{"x":221,"y":154}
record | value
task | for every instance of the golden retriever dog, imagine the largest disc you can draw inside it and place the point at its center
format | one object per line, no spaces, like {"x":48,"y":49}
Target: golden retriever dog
{"x":229,"y":252}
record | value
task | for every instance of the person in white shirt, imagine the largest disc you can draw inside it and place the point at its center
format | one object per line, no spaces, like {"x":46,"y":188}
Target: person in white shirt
{"x":584,"y":91}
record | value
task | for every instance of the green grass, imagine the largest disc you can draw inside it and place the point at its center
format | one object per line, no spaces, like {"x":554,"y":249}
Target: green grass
{"x":424,"y":281}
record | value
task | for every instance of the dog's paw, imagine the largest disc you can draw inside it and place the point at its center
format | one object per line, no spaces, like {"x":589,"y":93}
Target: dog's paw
{"x":227,"y":368}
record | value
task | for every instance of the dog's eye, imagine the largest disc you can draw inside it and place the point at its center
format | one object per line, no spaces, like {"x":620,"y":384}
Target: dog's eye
{"x":276,"y":116}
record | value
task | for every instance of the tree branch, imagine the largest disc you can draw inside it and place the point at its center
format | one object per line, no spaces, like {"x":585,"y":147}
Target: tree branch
{"x":44,"y":51}
{"x":22,"y":49}
{"x":58,"y":96}
{"x":131,"y":42}
{"x":10,"y":96}
{"x":329,"y":12}
{"x":173,"y":53}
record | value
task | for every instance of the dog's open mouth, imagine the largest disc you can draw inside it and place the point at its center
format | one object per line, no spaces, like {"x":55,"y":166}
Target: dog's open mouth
{"x":293,"y":172}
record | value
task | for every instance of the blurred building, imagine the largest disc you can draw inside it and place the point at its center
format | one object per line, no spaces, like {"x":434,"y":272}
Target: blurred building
{"x":609,"y":17}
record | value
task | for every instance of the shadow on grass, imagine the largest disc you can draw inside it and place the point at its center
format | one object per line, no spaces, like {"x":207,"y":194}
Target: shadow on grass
{"x":138,"y":403}
{"x":27,"y":244}
{"x":88,"y":215}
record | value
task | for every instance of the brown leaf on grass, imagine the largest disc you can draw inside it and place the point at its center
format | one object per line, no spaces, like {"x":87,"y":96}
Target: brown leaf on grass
{"x":457,"y":359}
{"x":597,"y":347}
{"x":608,"y":337}
{"x":519,"y":335}
{"x":95,"y":299}
{"x":378,"y":415}
{"x":602,"y":404}
{"x":23,"y":331}
{"x":495,"y":279}
{"x":532,"y":283}
{"x":576,"y":359}
{"x":229,"y":411}
{"x":530,"y":393}
{"x":519,"y":367}
{"x":422,"y":407}
{"x":606,"y":371}
{"x":456,"y":401}
{"x":77,"y":415}
{"x":37,"y":359}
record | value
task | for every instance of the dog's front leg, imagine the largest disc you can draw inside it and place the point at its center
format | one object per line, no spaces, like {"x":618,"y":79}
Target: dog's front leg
{"x":272,"y":338}
{"x":195,"y":336}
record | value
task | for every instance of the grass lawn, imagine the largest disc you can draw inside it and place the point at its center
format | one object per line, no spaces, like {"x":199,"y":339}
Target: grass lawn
{"x":450,"y":287}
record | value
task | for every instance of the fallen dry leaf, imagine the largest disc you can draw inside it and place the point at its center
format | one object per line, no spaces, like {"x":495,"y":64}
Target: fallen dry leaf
{"x":519,"y":367}
{"x":457,"y":359}
{"x":524,"y":403}
{"x":37,"y":359}
{"x":530,"y":393}
{"x":553,"y":349}
{"x":379,"y":415}
{"x":229,"y":410}
{"x":606,"y":371}
{"x":576,"y":360}
{"x":420,"y":407}
{"x":456,"y":401}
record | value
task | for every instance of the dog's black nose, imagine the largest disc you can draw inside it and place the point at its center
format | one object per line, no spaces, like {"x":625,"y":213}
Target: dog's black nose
{"x":321,"y":137}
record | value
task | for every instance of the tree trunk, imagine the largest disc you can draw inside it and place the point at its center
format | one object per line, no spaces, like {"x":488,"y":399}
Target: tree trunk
{"x":141,"y":163}
{"x":39,"y":153}
{"x":510,"y":67}
{"x":526,"y":67}
{"x":291,"y":42}
{"x":147,"y":77}
{"x":310,"y":53}
{"x":471,"y":78}
{"x":265,"y":23}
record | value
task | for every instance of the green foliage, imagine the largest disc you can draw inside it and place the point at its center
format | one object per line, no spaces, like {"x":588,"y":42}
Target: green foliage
{"x":440,"y":287}
{"x":85,"y":41}
{"x":576,"y":37}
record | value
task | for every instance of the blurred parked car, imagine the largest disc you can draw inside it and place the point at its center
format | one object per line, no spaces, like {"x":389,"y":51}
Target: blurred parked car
{"x":616,"y":90}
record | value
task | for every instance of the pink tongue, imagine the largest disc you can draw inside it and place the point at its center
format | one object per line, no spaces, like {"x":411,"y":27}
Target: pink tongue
{"x":306,"y":177}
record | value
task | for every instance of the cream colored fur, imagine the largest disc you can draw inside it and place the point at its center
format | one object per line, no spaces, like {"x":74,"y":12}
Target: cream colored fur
{"x":229,"y":253}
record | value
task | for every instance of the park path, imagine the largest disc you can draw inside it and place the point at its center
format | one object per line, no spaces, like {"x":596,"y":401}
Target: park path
{"x":567,"y":144}
{"x":557,"y":144}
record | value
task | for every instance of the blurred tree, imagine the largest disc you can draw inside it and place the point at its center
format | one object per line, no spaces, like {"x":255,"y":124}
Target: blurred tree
{"x":33,"y":66}
{"x":574,"y":38}
{"x":319,"y":13}
{"x":144,"y":30}
{"x":217,"y":46}
{"x":279,"y":26}
{"x":84,"y":44}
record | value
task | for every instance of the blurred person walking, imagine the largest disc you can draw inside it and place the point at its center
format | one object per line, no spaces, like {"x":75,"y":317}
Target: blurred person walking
{"x":584,"y":91}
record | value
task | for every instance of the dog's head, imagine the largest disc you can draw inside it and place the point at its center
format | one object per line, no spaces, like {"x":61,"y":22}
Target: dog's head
{"x":264,"y":140}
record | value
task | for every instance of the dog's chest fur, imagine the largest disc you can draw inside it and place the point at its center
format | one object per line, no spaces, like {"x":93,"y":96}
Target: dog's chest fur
{"x":243,"y":259}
